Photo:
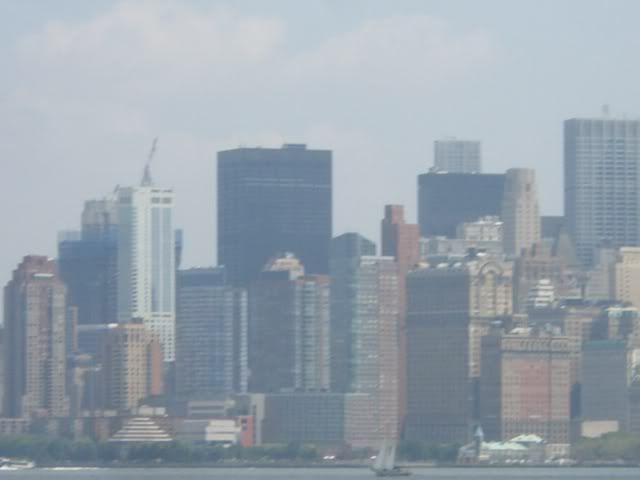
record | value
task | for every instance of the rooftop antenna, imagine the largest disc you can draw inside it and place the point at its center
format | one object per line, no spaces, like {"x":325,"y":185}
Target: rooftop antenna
{"x":146,"y":176}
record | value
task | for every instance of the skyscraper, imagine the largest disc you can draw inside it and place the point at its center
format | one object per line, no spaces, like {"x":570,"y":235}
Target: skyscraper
{"x":401,"y":241}
{"x":365,"y":325}
{"x":146,"y":260}
{"x":132,"y":366}
{"x":34,"y":350}
{"x":450,"y":307}
{"x":88,"y":265}
{"x":439,"y":402}
{"x":272,"y":201}
{"x":601,"y":183}
{"x":626,"y":276}
{"x":457,"y":156}
{"x":445,"y":200}
{"x":520,"y":211}
{"x":289,"y":329}
{"x":211,"y":334}
{"x":525,"y":387}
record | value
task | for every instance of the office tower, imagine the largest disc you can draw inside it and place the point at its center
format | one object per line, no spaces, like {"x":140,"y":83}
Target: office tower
{"x":606,"y":379}
{"x":485,"y":229}
{"x":87,"y":265}
{"x":538,"y":263}
{"x":481,"y":235}
{"x":439,"y":402}
{"x":401,"y":241}
{"x":520,"y":211}
{"x":541,"y":296}
{"x":601,"y":182}
{"x":35,"y":352}
{"x":626,"y":272}
{"x":288,"y":329}
{"x":617,"y":322}
{"x":364,"y":328}
{"x":601,"y":278}
{"x":550,"y":225}
{"x":450,"y":307}
{"x":146,"y":260}
{"x":525,"y":386}
{"x":211,"y":334}
{"x":445,"y":200}
{"x":457,"y":156}
{"x":100,"y":220}
{"x":326,"y":419}
{"x":133,"y":366}
{"x":272,"y":201}
{"x":491,"y":300}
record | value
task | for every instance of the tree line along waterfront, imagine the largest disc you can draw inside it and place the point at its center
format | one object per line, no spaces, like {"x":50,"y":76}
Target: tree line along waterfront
{"x":45,"y":450}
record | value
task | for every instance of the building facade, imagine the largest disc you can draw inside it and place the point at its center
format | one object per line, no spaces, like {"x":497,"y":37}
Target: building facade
{"x":457,"y":156}
{"x":452,"y":306}
{"x":365,"y":325}
{"x":133,"y":366}
{"x":520,"y":210}
{"x":35,"y":320}
{"x":439,"y":394}
{"x":288,"y":329}
{"x":146,"y":260}
{"x":211,"y":334}
{"x":538,"y":263}
{"x":272,"y":201}
{"x":445,"y":200}
{"x":606,"y":380}
{"x":627,"y":276}
{"x":401,"y":241}
{"x":525,"y":386}
{"x":88,"y":265}
{"x":601,"y":183}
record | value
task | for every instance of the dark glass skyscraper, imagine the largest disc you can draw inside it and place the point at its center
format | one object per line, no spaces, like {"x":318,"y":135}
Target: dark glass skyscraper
{"x":446,"y":200}
{"x":87,"y":265}
{"x":272,"y":201}
{"x":211,"y":334}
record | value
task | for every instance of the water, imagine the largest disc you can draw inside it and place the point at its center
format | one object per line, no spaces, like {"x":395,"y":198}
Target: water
{"x":316,"y":474}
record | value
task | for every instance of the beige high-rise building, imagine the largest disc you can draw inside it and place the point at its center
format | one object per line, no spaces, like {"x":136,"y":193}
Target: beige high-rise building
{"x":627,"y":275}
{"x":520,"y":210}
{"x":35,"y":334}
{"x":491,"y":298}
{"x":132,"y":365}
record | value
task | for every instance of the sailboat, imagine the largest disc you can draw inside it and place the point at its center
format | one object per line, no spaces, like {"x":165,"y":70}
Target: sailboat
{"x":385,"y":463}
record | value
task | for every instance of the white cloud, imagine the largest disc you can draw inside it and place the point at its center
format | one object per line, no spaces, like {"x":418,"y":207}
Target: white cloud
{"x":146,"y":47}
{"x":396,"y":50}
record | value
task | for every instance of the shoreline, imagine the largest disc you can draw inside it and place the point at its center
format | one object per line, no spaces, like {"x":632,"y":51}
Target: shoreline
{"x":318,"y":466}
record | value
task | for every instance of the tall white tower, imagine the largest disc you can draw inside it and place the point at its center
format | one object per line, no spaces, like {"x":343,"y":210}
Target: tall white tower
{"x":520,"y":210}
{"x":146,"y":260}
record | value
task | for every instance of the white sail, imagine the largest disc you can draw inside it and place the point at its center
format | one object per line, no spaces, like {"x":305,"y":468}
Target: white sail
{"x":379,"y":464}
{"x":390,"y":458}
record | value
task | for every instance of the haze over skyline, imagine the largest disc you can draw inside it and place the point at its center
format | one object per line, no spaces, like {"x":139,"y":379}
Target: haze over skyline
{"x":87,"y":86}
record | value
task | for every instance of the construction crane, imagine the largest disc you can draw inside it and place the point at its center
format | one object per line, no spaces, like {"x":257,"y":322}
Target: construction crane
{"x":146,"y":177}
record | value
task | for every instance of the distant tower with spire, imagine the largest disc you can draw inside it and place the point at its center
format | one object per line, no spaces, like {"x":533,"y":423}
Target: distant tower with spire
{"x":146,"y":258}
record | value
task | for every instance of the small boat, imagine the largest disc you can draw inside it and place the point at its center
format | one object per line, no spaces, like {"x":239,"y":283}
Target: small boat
{"x":15,"y":464}
{"x":385,"y":463}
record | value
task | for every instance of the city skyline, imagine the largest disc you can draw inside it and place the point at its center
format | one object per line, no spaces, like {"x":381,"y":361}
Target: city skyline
{"x":113,"y":148}
{"x":316,"y":253}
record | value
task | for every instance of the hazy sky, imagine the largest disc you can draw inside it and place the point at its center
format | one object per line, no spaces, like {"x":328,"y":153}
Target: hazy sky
{"x":85,"y":86}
